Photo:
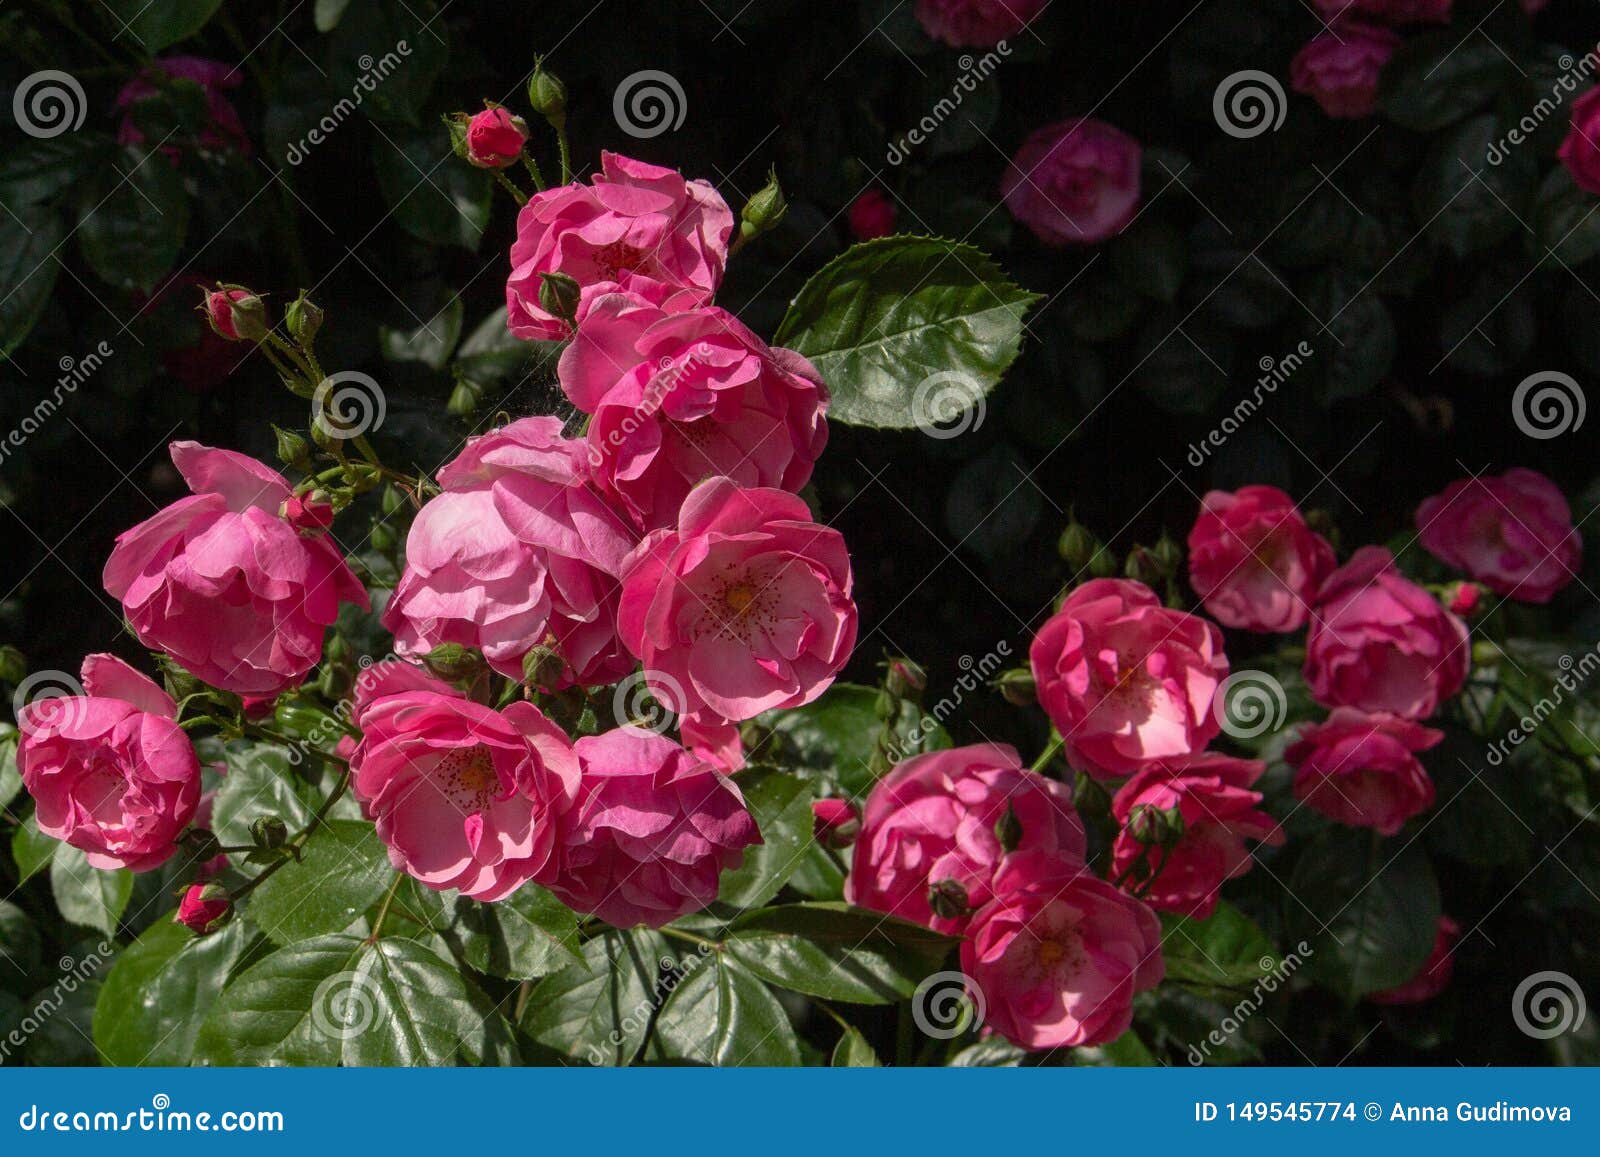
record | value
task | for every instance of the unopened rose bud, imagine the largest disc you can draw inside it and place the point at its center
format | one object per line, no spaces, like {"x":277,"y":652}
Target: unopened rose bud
{"x":835,"y":822}
{"x":1465,"y":599}
{"x":763,"y":212}
{"x":310,"y":513}
{"x":547,"y":96}
{"x":293,"y":450}
{"x":1017,"y":686}
{"x":904,"y":678}
{"x":1102,"y":564}
{"x":1008,"y":830}
{"x":494,"y":138}
{"x":1161,"y":827}
{"x":464,"y":398}
{"x":204,"y":908}
{"x":1168,"y":554}
{"x":1141,"y":566}
{"x":201,"y":844}
{"x":453,"y":661}
{"x":303,"y":319}
{"x":544,"y":668}
{"x":13,"y":665}
{"x":559,"y":295}
{"x":236,"y":314}
{"x":269,"y":832}
{"x":949,"y":900}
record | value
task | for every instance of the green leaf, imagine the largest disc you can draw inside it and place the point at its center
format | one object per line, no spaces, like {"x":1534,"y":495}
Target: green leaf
{"x":38,"y":170}
{"x":89,"y":896}
{"x":342,"y":872}
{"x":490,"y":354}
{"x":435,"y":197}
{"x":1365,"y":342}
{"x":995,"y":1052}
{"x":1567,"y":218}
{"x":430,"y":343}
{"x":1225,"y":950}
{"x":383,"y":43}
{"x":885,"y":316}
{"x":831,"y":739}
{"x":1150,"y":258}
{"x":157,"y":24}
{"x":599,"y":1011}
{"x":19,"y":943}
{"x":340,"y":1000}
{"x":29,"y":236}
{"x":160,"y":989}
{"x":1127,"y":1051}
{"x":63,"y":1037}
{"x":31,"y":849}
{"x":781,"y":805}
{"x":1469,"y":205}
{"x":721,"y":1014}
{"x":10,"y":777}
{"x":527,"y":935}
{"x":132,"y":220}
{"x":835,"y":951}
{"x":853,"y":1052}
{"x":261,"y":781}
{"x":1437,"y":78}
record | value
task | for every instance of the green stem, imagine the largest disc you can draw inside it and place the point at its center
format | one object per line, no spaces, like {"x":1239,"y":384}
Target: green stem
{"x":383,"y":912}
{"x":505,"y":183}
{"x":532,"y":165}
{"x":689,"y":937}
{"x":1057,"y":741}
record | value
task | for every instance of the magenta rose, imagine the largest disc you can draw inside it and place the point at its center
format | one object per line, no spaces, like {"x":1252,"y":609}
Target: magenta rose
{"x":637,"y":227}
{"x":495,"y":138}
{"x":654,"y":829}
{"x":1380,"y":642}
{"x":222,"y":129}
{"x":1059,"y":954}
{"x":1076,"y":182}
{"x":223,"y":584}
{"x":516,"y":551}
{"x":1211,"y":793}
{"x":1340,"y":68}
{"x":1513,"y":533}
{"x":110,"y":771}
{"x":1434,"y":975}
{"x":932,"y":820}
{"x":743,"y":608}
{"x":463,"y":796}
{"x":678,"y":397}
{"x":1580,"y":151}
{"x":1362,"y":769}
{"x":1390,"y":11}
{"x":976,"y":23}
{"x":871,"y":215}
{"x":1126,"y":680}
{"x":1254,"y":562}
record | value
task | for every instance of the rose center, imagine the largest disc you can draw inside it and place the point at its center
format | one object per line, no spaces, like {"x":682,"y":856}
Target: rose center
{"x":468,"y":778}
{"x":739,"y":597}
{"x":616,"y":258}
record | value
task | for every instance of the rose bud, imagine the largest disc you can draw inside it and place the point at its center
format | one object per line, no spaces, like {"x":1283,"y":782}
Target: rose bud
{"x":871,"y":215}
{"x":204,"y":908}
{"x":1464,"y":599}
{"x":495,"y":138}
{"x":236,"y":314}
{"x":310,"y":513}
{"x":837,"y":823}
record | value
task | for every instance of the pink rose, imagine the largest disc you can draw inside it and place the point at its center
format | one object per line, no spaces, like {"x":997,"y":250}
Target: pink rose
{"x":932,"y":820}
{"x":223,"y":584}
{"x":1254,"y":562}
{"x":1380,"y":642}
{"x":1126,"y":680}
{"x":871,"y":215}
{"x":1391,"y":11}
{"x":1580,"y":151}
{"x":110,"y":772}
{"x":515,"y":552}
{"x":495,"y":138}
{"x":222,"y":131}
{"x":1340,"y":68}
{"x":219,"y":311}
{"x":743,"y":608}
{"x":678,"y":397}
{"x":1434,"y":975}
{"x":979,"y":23}
{"x":203,"y":908}
{"x":638,"y":228}
{"x":1212,"y":795}
{"x":1059,"y":954}
{"x":463,"y":796}
{"x":1076,"y":182}
{"x":1360,"y":769}
{"x":653,"y":831}
{"x":1513,"y":533}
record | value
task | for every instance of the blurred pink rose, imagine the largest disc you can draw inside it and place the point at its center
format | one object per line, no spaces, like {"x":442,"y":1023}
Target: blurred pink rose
{"x":223,"y":584}
{"x":222,"y":129}
{"x":1340,"y":68}
{"x":1126,"y":680}
{"x":1254,"y":562}
{"x":1513,"y":533}
{"x":1076,"y":182}
{"x":1212,"y":793}
{"x":637,"y":227}
{"x":1360,"y":769}
{"x":495,"y":138}
{"x":463,"y":796}
{"x":743,"y":608}
{"x":654,"y":829}
{"x":110,"y":771}
{"x":1391,"y":11}
{"x":516,"y":551}
{"x":979,"y":23}
{"x":678,"y":397}
{"x":1434,"y":975}
{"x":1580,"y":152}
{"x":871,"y":215}
{"x":1059,"y":954}
{"x":933,"y":818}
{"x":1380,"y":642}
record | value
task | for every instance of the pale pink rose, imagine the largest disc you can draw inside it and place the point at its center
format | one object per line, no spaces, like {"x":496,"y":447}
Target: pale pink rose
{"x":1434,"y":975}
{"x":1340,"y":68}
{"x":110,"y":772}
{"x":1580,"y":151}
{"x":1380,"y":642}
{"x":223,"y":584}
{"x":1254,"y":562}
{"x":463,"y":796}
{"x":1059,"y":954}
{"x":678,"y":397}
{"x":495,"y":138}
{"x":1076,"y":182}
{"x":1361,"y":769}
{"x":637,"y":227}
{"x":1211,"y":792}
{"x":977,"y":23}
{"x":1390,"y":11}
{"x":932,"y":819}
{"x":745,"y":607}
{"x":1126,"y":680}
{"x":517,"y":551}
{"x":1513,"y":533}
{"x":654,"y":829}
{"x":222,"y":131}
